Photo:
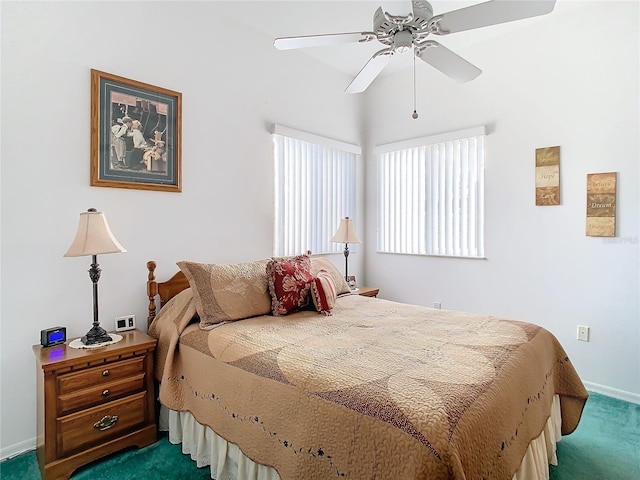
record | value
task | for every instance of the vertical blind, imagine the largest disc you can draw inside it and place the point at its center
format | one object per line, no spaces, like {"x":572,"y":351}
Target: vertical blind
{"x":315,"y":187}
{"x":431,"y":196}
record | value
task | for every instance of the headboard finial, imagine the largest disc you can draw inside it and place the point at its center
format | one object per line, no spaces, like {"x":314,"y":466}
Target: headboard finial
{"x":152,"y":291}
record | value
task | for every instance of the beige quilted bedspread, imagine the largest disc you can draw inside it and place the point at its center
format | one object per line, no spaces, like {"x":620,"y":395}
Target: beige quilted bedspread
{"x":379,"y":390}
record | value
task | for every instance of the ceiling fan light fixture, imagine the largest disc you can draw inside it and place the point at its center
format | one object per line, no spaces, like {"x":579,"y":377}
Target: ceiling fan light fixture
{"x":402,"y":41}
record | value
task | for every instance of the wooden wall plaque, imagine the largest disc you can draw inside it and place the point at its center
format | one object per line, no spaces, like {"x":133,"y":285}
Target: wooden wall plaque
{"x":548,"y":176}
{"x":601,"y":204}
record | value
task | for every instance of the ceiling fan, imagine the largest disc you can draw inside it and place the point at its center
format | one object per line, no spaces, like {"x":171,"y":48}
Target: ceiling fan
{"x":400,"y":33}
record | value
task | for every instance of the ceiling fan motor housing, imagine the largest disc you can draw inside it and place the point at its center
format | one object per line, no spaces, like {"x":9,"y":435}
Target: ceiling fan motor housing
{"x":399,"y":32}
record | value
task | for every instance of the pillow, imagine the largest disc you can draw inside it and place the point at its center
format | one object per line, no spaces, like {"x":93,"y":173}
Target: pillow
{"x":228,"y":292}
{"x":289,"y":283}
{"x":323,"y":263}
{"x":323,"y":292}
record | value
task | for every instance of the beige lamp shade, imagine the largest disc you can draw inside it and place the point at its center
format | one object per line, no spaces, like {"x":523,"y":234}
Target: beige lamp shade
{"x":93,"y":237}
{"x":346,"y":232}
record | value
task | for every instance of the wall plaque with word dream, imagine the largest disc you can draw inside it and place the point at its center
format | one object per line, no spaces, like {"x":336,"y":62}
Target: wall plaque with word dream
{"x":601,"y":204}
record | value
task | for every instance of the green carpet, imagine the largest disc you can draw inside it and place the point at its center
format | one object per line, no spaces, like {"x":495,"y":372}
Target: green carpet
{"x":606,"y":446}
{"x":162,"y":460}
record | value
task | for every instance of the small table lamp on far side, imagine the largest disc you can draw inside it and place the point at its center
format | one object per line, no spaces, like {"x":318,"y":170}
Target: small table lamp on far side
{"x":94,"y":238}
{"x":346,"y":234}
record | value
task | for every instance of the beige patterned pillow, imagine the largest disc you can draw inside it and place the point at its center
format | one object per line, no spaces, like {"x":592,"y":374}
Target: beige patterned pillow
{"x":323,"y":263}
{"x":228,"y":292}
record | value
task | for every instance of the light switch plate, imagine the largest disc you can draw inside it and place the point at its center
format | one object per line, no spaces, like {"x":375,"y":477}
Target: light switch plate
{"x":126,"y":322}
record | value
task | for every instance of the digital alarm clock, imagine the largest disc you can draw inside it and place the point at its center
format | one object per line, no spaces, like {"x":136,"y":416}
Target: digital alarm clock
{"x":53,"y":336}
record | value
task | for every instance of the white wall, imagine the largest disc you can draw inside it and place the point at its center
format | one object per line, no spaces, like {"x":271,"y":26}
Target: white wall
{"x":570,"y":80}
{"x":234,"y":85}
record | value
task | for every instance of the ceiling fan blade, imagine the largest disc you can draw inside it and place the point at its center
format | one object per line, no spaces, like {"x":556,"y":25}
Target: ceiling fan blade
{"x":288,"y":43}
{"x":449,"y":63}
{"x":369,"y":72}
{"x":490,"y":13}
{"x":396,"y":7}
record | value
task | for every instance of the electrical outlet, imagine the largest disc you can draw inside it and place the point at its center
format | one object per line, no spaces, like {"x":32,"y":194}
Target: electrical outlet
{"x":126,"y":322}
{"x":583,"y":333}
{"x":437,"y":304}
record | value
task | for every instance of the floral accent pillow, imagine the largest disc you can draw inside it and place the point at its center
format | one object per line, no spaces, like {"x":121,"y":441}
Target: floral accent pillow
{"x":323,"y":292}
{"x":289,"y":283}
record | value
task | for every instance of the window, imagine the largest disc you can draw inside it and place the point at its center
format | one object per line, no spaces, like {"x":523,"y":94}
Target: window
{"x":315,"y":187}
{"x":431,"y":195}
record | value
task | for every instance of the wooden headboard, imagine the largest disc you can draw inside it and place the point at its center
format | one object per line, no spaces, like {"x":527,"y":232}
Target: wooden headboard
{"x":165,"y":290}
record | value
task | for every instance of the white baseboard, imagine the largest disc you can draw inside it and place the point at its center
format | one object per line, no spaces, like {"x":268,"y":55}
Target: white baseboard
{"x":613,"y":392}
{"x":17,"y":449}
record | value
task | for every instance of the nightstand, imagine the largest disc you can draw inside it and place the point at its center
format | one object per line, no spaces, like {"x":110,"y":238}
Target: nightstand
{"x":93,"y":402}
{"x":368,"y":291}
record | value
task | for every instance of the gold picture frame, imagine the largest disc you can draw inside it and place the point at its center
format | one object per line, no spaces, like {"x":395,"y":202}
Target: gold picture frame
{"x":136,"y":134}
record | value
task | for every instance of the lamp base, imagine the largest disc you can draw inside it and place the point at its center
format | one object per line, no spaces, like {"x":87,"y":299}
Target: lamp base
{"x":97,"y":334}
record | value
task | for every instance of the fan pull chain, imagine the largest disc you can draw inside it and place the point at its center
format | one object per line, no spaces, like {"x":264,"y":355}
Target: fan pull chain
{"x":415,"y":113}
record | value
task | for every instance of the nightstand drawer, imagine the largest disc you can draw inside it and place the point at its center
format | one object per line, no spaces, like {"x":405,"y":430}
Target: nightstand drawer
{"x":99,"y":394}
{"x":79,"y":430}
{"x":100,"y":375}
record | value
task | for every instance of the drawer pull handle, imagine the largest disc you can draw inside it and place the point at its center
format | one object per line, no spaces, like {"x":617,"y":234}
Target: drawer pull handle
{"x":105,"y":393}
{"x":105,"y":373}
{"x":106,"y":423}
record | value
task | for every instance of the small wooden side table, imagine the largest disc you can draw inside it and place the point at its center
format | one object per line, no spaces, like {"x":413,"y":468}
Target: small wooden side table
{"x":93,"y":402}
{"x":368,"y":291}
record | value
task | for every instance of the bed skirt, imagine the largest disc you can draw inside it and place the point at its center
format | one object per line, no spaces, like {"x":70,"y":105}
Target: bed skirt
{"x":227,"y":462}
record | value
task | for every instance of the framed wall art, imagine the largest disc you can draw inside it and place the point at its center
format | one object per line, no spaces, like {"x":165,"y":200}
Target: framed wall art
{"x":601,"y":204}
{"x":548,"y":176}
{"x":136,"y":133}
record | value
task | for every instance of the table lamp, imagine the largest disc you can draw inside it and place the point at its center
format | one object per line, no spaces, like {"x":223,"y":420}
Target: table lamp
{"x":94,"y":238}
{"x":346,"y":234}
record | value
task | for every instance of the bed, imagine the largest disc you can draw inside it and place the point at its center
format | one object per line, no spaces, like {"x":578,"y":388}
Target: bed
{"x":356,"y":388}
